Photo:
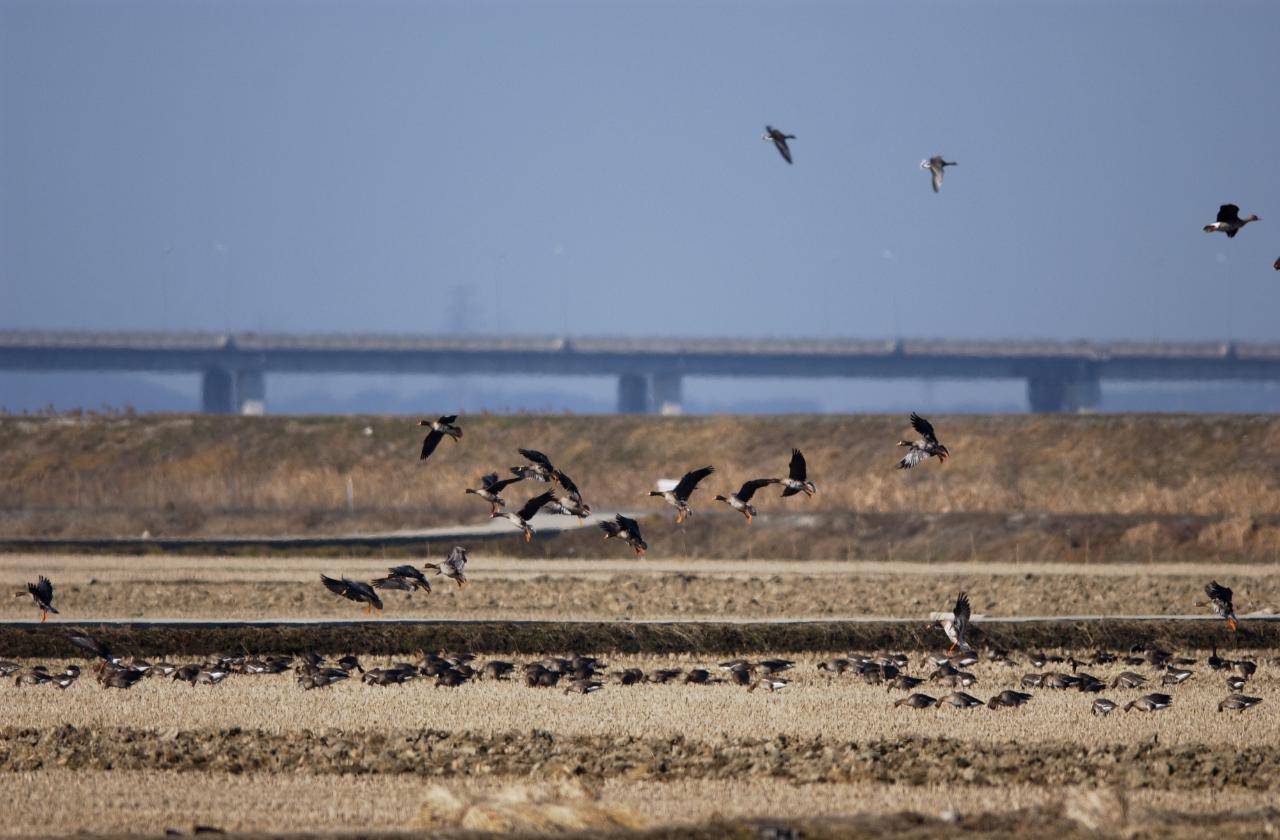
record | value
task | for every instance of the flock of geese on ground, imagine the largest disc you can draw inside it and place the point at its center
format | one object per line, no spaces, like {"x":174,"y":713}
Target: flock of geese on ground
{"x":580,"y":674}
{"x":1228,"y":220}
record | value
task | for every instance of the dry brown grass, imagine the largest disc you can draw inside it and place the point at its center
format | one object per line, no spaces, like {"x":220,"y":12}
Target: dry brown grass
{"x":180,"y":474}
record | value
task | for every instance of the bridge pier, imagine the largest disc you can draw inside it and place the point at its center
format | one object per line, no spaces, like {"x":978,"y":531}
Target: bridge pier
{"x":251,"y":392}
{"x":668,"y":394}
{"x":1056,"y":394}
{"x":633,"y":393}
{"x":216,"y":392}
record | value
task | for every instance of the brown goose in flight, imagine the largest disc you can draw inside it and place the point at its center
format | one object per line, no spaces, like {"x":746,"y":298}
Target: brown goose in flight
{"x":453,"y":567}
{"x":539,"y":467}
{"x":354,"y":590}
{"x":521,"y":518}
{"x":955,"y":623}
{"x":569,"y":499}
{"x":439,"y":428}
{"x":779,"y":140}
{"x":627,"y":530}
{"x":741,"y":501}
{"x":936,"y":165}
{"x":923,"y":449}
{"x":490,"y":487}
{"x":797,"y":480}
{"x":42,"y":593}
{"x":678,"y":496}
{"x":1229,"y":221}
{"x":403,"y":578}
{"x":1220,"y":600}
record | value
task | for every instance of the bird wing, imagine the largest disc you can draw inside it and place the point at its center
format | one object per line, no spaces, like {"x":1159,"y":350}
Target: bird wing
{"x":406,"y":571}
{"x":457,"y":559}
{"x":797,"y":469}
{"x":913,"y":457}
{"x":961,"y":612}
{"x":629,"y":525}
{"x":43,"y":590}
{"x":488,"y":480}
{"x":90,"y":645}
{"x":783,"y":148}
{"x":337,"y":587}
{"x":611,"y":529}
{"x":1218,"y":592}
{"x":937,"y":177}
{"x":567,"y":484}
{"x":534,"y":505}
{"x":1228,"y":213}
{"x":749,"y":489}
{"x":537,"y":457}
{"x":429,"y":444}
{"x":496,"y":485}
{"x":364,"y":590}
{"x":448,"y":419}
{"x":689,"y":482}
{"x":924,"y":427}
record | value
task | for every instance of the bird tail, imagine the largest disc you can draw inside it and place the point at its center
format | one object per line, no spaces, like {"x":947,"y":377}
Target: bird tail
{"x":51,"y":609}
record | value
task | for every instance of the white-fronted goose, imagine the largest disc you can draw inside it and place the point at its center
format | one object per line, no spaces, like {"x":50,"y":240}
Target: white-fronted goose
{"x":454,"y":566}
{"x":42,"y":593}
{"x":1103,"y":707}
{"x":741,"y":501}
{"x":1128,"y":679}
{"x":916,"y":701}
{"x":1220,"y":600}
{"x":779,"y":140}
{"x":404,"y":579}
{"x":1229,"y":221}
{"x":923,"y":449}
{"x":539,"y":467}
{"x":439,"y":428}
{"x":797,"y":480}
{"x":955,"y":623}
{"x":1150,"y":703}
{"x":354,"y":590}
{"x":678,"y":496}
{"x":960,"y":700}
{"x":1238,"y":703}
{"x":769,"y":684}
{"x":627,"y":530}
{"x":936,"y":165}
{"x":569,"y":499}
{"x":1008,"y":699}
{"x":521,"y":518}
{"x":490,"y":487}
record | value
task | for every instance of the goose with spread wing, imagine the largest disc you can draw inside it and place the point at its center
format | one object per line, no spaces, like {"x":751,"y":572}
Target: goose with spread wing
{"x":779,"y":141}
{"x":568,"y":500}
{"x":1220,"y":600}
{"x":1229,"y":221}
{"x":521,"y":518}
{"x":404,"y":578}
{"x":490,"y":487}
{"x":354,"y":590}
{"x":627,"y":530}
{"x":741,"y":501}
{"x":936,"y":165}
{"x":923,"y":449}
{"x":955,"y":623}
{"x":539,"y":467}
{"x":439,"y":428}
{"x":454,"y":566}
{"x":678,"y":496}
{"x":797,"y":480}
{"x":42,"y":593}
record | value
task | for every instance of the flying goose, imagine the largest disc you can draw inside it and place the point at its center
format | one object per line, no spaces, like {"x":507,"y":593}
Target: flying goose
{"x":1220,"y":600}
{"x":539,"y":467}
{"x":42,"y":593}
{"x":354,"y":590}
{"x":1229,"y":221}
{"x":403,"y":578}
{"x":780,"y":140}
{"x":627,"y":530}
{"x":439,"y":428}
{"x":797,"y":480}
{"x":936,"y":165}
{"x":1150,"y":703}
{"x":569,"y":500}
{"x":490,"y":487}
{"x":955,"y":623}
{"x":678,"y":496}
{"x":741,"y":501}
{"x":521,"y":518}
{"x":1238,"y":703}
{"x":454,"y":566}
{"x":923,"y":449}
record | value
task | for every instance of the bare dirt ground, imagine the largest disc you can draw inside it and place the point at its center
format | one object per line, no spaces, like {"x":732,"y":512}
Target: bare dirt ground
{"x":502,"y":588}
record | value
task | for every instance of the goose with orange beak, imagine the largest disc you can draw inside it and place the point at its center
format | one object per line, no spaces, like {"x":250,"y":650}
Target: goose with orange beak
{"x":354,"y":590}
{"x":955,"y":623}
{"x":741,"y":501}
{"x":42,"y":593}
{"x":923,"y":449}
{"x":521,"y":518}
{"x":1220,"y":600}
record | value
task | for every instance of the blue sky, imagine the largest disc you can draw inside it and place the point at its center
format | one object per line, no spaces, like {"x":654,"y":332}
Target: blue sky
{"x":597,"y":167}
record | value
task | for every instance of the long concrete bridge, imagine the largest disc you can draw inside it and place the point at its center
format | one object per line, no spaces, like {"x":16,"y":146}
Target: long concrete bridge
{"x":1060,"y":376}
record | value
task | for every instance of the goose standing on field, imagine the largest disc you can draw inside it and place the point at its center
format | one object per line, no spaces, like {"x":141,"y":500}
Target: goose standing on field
{"x":439,"y":428}
{"x":779,"y":140}
{"x":42,"y":593}
{"x":924,"y":448}
{"x":490,"y":487}
{"x":1238,"y":703}
{"x":936,"y":165}
{"x":797,"y":480}
{"x":955,"y":623}
{"x":539,"y":467}
{"x":741,"y":501}
{"x":1229,"y":221}
{"x":453,"y":567}
{"x":627,"y":530}
{"x":354,"y":590}
{"x":678,"y":496}
{"x":403,"y":578}
{"x":1150,"y":703}
{"x":1220,"y":600}
{"x":521,"y":518}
